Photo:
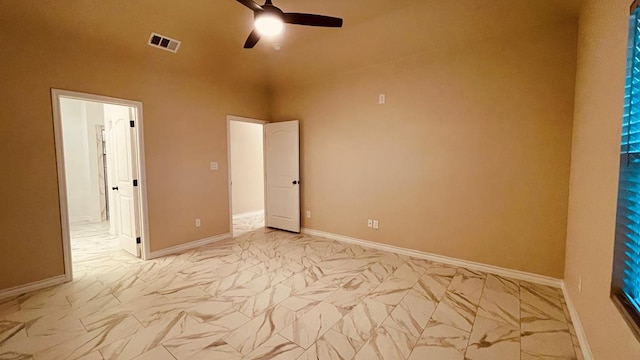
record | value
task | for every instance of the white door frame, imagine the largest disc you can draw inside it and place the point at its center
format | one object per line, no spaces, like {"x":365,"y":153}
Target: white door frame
{"x":56,"y":95}
{"x":231,"y":118}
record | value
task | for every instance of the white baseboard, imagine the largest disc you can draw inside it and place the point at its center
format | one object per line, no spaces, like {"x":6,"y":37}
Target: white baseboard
{"x":248,"y":214}
{"x":36,"y":285}
{"x":189,"y":245}
{"x":577,"y":325}
{"x":515,"y":274}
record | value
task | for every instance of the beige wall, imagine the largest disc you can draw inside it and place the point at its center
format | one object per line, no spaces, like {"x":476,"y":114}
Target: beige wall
{"x":186,"y":99}
{"x":594,"y":175}
{"x":469,"y":157}
{"x":247,"y":166}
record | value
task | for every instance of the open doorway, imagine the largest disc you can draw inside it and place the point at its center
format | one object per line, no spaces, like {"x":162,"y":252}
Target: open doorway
{"x":101,"y":179}
{"x":246,"y":174}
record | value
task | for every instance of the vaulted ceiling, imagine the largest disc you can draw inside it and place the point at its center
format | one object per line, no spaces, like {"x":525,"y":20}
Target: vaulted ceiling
{"x":213,"y":31}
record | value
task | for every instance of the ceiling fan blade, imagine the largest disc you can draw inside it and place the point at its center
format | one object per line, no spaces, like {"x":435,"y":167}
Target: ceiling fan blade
{"x":312,"y":20}
{"x":250,"y":4}
{"x":252,"y":40}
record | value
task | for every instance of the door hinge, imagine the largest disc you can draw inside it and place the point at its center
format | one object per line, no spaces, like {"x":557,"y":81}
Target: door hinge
{"x":138,"y":240}
{"x":132,"y":123}
{"x":135,"y":182}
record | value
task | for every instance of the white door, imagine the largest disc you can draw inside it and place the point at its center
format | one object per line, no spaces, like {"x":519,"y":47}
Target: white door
{"x":282,"y":167}
{"x":111,"y":176}
{"x":126,"y":192}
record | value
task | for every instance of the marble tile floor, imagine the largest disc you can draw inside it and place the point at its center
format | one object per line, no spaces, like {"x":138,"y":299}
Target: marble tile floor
{"x":276,"y":295}
{"x":245,"y":224}
{"x":92,"y":247}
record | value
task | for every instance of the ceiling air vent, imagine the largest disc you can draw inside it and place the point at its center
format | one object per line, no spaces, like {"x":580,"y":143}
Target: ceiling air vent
{"x":163,"y":42}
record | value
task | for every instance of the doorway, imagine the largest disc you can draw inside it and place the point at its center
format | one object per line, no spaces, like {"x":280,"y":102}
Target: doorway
{"x":246,"y":174}
{"x":100,"y":179}
{"x":264,"y":174}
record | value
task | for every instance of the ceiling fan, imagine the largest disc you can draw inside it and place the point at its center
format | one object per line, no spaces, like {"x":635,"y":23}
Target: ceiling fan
{"x":269,"y":20}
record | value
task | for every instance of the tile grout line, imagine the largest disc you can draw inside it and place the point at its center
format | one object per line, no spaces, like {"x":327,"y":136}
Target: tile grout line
{"x":520,"y":316}
{"x":484,"y":285}
{"x":388,"y":314}
{"x":165,"y":349}
{"x":430,"y":317}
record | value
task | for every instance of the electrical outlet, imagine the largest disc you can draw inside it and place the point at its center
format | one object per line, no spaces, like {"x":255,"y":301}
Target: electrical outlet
{"x":375,"y":224}
{"x":198,"y":223}
{"x":213,"y":165}
{"x":308,"y":213}
{"x":370,"y":223}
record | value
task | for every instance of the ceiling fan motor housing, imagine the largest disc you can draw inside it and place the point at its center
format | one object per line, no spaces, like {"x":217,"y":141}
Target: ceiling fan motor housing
{"x":268,"y":9}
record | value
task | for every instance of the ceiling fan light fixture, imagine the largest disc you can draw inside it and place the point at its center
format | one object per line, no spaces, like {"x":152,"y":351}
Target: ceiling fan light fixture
{"x":269,"y":20}
{"x":268,"y":25}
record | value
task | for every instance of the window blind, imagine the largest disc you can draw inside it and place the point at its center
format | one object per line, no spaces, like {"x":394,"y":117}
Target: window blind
{"x":627,"y":252}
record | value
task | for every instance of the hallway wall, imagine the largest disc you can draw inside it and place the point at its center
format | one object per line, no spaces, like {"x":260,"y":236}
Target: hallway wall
{"x":247,"y":166}
{"x":79,"y":121}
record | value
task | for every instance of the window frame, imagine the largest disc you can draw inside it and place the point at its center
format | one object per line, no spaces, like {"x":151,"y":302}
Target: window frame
{"x":629,"y":312}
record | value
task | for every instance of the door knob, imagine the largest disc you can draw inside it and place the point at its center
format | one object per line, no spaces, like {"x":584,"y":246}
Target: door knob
{"x":114,"y":188}
{"x":295,"y":182}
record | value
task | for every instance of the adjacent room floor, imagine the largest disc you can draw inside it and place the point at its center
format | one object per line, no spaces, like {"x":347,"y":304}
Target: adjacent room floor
{"x":95,"y":251}
{"x":245,"y":224}
{"x":275,"y":295}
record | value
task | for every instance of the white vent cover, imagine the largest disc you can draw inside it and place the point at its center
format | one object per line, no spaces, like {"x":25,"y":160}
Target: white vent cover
{"x":163,"y":42}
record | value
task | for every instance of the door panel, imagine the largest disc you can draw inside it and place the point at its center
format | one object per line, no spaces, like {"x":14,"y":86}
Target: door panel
{"x":282,"y":167}
{"x":126,"y":193}
{"x":114,"y":217}
{"x":126,"y":205}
